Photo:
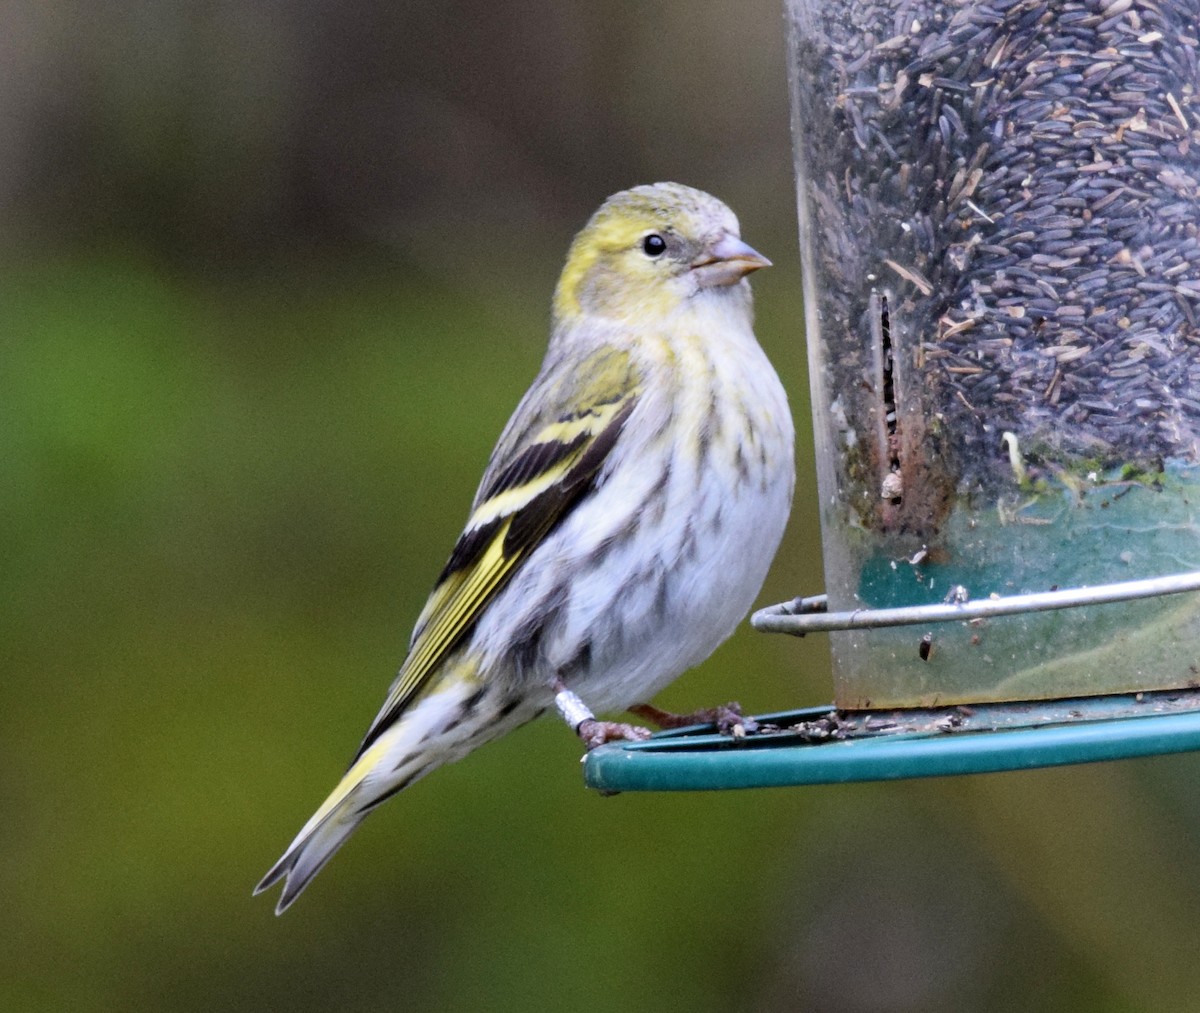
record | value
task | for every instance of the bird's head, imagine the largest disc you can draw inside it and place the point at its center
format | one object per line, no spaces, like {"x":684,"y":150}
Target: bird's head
{"x":649,"y":249}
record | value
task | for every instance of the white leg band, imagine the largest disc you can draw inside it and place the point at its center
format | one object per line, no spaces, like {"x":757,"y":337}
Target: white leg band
{"x":573,"y":710}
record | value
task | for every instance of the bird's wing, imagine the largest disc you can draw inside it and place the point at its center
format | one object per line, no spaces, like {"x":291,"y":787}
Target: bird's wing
{"x":546,"y":460}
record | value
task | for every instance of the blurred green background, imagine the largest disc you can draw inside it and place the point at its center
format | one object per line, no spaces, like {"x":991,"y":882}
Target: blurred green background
{"x":274,"y":274}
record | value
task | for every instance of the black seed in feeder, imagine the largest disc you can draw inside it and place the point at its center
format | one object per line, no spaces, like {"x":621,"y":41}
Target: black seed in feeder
{"x":999,"y":207}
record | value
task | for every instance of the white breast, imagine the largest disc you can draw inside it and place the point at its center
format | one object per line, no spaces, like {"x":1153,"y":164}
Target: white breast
{"x":649,"y":575}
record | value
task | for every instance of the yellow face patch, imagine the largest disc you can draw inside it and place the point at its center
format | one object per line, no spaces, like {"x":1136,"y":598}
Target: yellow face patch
{"x":613,"y":270}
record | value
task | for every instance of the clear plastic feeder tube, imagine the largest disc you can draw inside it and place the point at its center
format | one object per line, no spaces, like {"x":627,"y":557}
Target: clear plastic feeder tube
{"x":1000,"y":226}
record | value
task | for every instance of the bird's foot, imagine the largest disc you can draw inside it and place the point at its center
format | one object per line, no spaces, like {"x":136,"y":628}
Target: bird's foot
{"x":596,"y":733}
{"x":728,"y":718}
{"x":593,"y":731}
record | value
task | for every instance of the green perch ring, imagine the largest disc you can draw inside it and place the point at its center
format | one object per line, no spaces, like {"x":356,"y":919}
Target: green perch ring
{"x":821,"y":745}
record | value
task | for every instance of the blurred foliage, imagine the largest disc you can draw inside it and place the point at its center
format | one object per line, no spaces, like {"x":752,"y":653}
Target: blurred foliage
{"x":273,"y":277}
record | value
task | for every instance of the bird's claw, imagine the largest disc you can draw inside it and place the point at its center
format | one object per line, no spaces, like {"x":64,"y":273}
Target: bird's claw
{"x":728,"y":719}
{"x":596,"y":733}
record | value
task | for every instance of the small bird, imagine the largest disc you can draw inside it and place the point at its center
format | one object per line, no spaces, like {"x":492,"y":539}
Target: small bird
{"x":625,"y":521}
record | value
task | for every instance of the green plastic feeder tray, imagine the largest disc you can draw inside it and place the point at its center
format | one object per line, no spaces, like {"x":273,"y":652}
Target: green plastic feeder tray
{"x":827,"y":745}
{"x":821,"y":745}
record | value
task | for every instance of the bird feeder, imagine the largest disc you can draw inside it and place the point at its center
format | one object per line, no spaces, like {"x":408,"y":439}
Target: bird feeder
{"x":999,"y":208}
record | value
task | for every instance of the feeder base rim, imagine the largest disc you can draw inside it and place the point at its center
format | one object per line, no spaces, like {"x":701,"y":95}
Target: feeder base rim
{"x":822,"y":745}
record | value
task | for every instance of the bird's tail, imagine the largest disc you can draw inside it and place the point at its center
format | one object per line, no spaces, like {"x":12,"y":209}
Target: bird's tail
{"x":307,"y":855}
{"x":423,"y":738}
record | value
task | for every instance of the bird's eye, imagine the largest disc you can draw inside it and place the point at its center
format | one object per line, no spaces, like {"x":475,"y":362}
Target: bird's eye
{"x":654,"y":245}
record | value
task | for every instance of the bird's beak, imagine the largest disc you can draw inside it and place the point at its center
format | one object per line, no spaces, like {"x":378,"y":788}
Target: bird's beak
{"x":727,"y":261}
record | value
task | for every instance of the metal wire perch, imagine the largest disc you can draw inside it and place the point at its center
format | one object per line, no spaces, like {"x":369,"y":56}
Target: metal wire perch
{"x":809,"y":615}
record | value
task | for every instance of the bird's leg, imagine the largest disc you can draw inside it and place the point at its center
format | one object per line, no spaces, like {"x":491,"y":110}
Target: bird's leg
{"x":728,"y":718}
{"x":593,"y":732}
